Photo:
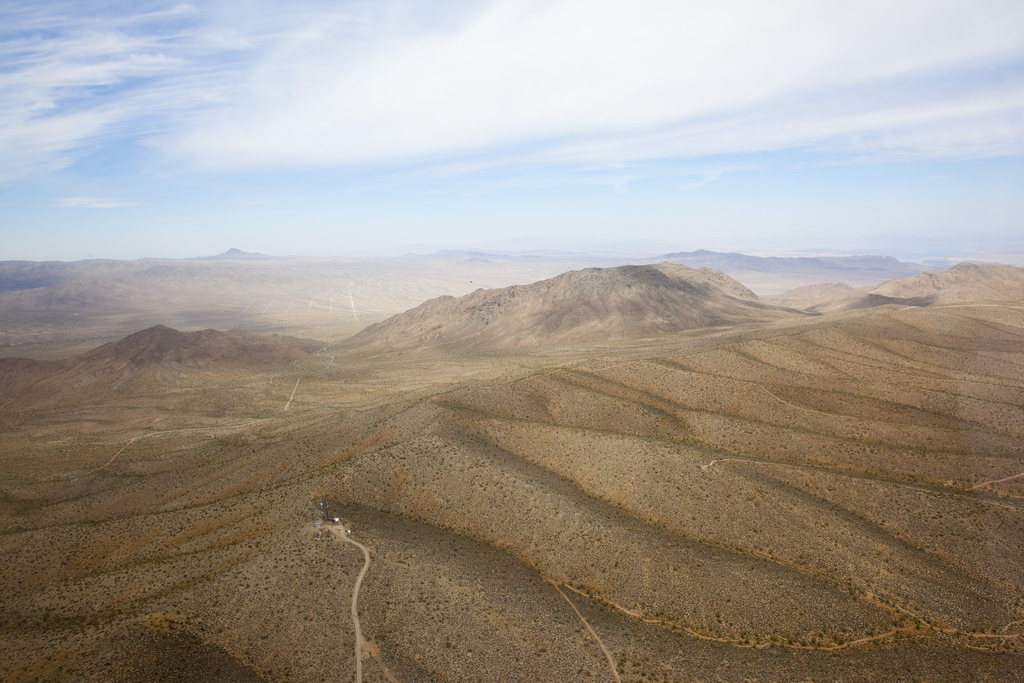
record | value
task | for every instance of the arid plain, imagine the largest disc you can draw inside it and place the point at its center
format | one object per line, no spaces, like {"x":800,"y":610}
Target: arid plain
{"x":690,"y":483}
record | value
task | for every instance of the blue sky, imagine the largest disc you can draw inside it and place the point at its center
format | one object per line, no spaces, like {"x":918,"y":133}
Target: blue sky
{"x":173,"y":129}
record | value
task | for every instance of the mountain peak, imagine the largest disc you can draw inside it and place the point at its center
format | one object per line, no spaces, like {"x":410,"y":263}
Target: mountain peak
{"x":593,"y":304}
{"x":237,"y":255}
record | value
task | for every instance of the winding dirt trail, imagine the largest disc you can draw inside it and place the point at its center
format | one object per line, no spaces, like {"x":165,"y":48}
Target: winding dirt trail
{"x":997,"y":481}
{"x":340,"y":532}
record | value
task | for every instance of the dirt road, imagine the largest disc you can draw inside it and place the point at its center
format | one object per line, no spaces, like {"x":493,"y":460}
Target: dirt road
{"x":341,"y":533}
{"x":607,"y":654}
{"x":292,"y":397}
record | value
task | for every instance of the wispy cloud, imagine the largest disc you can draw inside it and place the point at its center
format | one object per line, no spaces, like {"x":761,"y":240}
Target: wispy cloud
{"x":91,"y":203}
{"x":706,"y":178}
{"x":502,"y":83}
{"x":77,"y":77}
{"x":576,"y":81}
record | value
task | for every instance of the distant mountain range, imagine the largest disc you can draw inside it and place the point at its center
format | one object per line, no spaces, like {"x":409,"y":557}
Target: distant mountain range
{"x":768,"y":275}
{"x":859,"y":266}
{"x":854,"y":270}
{"x":54,"y":301}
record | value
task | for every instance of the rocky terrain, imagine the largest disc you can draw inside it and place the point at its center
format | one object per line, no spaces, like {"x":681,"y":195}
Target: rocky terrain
{"x":51,"y":309}
{"x":776,"y":497}
{"x":595,"y":304}
{"x":45,"y":307}
{"x":962,"y":283}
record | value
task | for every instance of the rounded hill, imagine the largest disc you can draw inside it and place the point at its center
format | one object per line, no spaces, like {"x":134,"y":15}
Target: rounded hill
{"x":155,"y":355}
{"x":962,"y":283}
{"x":594,"y":304}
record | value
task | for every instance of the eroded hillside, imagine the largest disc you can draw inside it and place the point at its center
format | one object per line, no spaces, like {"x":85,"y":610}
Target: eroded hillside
{"x":963,"y":283}
{"x":838,"y":498}
{"x":594,"y":304}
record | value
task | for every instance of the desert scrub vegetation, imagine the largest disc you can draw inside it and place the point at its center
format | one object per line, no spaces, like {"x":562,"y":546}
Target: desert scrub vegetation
{"x":827,"y":501}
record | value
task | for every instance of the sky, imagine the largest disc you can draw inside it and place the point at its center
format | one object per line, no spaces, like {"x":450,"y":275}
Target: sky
{"x":166,"y":129}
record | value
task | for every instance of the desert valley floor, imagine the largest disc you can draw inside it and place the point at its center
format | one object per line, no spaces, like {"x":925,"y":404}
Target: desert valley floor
{"x":763,"y":494}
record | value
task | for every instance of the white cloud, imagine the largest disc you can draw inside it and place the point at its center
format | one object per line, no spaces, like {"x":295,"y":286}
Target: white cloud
{"x":610,"y":81}
{"x":73,"y":80}
{"x":91,"y":203}
{"x":707,"y":177}
{"x":510,"y":82}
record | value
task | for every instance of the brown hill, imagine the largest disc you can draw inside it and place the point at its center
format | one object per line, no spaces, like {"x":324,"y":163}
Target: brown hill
{"x":157,"y":354}
{"x":834,"y":500}
{"x":46,"y":305}
{"x":585,"y":305}
{"x":832,"y":296}
{"x":961,"y":283}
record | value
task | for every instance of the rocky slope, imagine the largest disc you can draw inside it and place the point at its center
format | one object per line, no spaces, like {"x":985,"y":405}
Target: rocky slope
{"x":961,"y":283}
{"x":837,"y":500}
{"x":627,"y":302}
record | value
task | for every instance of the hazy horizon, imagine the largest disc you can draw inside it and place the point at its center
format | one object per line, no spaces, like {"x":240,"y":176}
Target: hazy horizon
{"x":623,"y":251}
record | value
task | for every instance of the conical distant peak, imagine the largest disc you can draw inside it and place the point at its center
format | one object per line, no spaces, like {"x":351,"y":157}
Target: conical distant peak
{"x":237,"y":254}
